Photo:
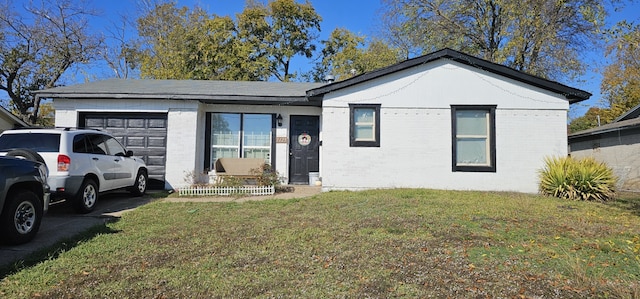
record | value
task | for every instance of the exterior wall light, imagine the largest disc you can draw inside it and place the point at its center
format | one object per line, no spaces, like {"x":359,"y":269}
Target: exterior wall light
{"x":279,"y":119}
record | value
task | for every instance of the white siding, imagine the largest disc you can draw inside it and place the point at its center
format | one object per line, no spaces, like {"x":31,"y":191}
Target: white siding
{"x":416,"y":142}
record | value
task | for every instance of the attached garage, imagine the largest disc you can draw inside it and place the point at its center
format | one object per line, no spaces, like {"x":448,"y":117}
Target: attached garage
{"x":143,"y":133}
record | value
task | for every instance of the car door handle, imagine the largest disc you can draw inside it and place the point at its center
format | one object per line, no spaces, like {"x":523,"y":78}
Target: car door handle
{"x":95,"y":159}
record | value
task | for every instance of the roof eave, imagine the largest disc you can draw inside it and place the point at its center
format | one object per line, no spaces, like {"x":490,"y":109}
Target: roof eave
{"x":204,"y":98}
{"x":572,"y":94}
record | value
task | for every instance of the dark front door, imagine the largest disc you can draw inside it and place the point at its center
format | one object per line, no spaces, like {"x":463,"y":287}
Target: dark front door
{"x":304,"y":148}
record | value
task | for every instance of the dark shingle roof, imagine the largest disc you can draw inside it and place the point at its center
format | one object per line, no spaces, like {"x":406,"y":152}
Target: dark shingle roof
{"x":572,"y":94}
{"x":208,"y":91}
{"x":612,"y":127}
{"x":632,"y":113}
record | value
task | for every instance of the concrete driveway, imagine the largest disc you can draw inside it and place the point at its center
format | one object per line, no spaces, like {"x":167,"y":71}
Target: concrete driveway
{"x":62,"y":222}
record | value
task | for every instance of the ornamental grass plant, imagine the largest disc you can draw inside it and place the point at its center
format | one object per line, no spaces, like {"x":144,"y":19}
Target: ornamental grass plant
{"x":577,"y":179}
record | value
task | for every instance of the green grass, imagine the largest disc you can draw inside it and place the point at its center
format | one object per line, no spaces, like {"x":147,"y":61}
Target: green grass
{"x":392,"y":243}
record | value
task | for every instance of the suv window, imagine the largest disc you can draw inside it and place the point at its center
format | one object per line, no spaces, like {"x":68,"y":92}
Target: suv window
{"x":114,"y":147}
{"x":80,"y":144}
{"x":95,"y":142}
{"x":40,"y":142}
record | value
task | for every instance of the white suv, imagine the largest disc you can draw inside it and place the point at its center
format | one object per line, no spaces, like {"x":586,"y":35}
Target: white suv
{"x":82,"y":163}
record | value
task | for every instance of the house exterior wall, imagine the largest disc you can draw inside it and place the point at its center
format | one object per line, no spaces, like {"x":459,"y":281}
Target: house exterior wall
{"x":415,"y":138}
{"x":618,"y":149}
{"x":186,"y":122}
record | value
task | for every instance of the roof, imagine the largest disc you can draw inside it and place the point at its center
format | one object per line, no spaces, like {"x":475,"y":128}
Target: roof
{"x":611,"y":127}
{"x":572,"y":94}
{"x":207,"y":91}
{"x":11,"y":116}
{"x":632,"y":113}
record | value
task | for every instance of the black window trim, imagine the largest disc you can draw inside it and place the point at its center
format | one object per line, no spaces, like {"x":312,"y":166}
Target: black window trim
{"x":492,"y":136}
{"x":352,"y":139}
{"x":207,"y":136}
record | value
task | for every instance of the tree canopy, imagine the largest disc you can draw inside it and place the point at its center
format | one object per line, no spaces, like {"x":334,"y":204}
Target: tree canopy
{"x":540,"y":37}
{"x":184,"y":44}
{"x":41,"y":42}
{"x":346,"y":54}
{"x":620,"y":86}
{"x":37,"y":47}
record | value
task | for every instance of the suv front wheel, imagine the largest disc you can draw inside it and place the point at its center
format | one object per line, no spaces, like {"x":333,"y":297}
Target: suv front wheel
{"x":140,"y":186}
{"x":87,"y":197}
{"x":20,"y":220}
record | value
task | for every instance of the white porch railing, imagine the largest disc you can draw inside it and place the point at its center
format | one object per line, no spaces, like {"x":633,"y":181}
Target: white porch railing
{"x":226,"y":191}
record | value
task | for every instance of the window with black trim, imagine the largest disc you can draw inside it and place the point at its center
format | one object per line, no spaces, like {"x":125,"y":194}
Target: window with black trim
{"x":239,"y":135}
{"x":473,"y":137}
{"x":365,"y":125}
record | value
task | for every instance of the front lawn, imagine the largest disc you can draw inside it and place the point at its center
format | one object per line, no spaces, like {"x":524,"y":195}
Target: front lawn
{"x":376,"y":244}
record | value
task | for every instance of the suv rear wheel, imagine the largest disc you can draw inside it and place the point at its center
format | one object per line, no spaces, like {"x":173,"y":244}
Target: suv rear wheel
{"x":87,"y":197}
{"x":20,"y":220}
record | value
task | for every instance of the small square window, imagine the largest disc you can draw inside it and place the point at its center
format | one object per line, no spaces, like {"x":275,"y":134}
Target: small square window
{"x":365,"y":125}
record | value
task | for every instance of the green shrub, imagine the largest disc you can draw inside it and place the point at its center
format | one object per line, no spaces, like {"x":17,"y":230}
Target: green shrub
{"x":577,"y":179}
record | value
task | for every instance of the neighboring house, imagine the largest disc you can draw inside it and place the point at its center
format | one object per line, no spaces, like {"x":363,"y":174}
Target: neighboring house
{"x":617,"y":144}
{"x":445,"y":120}
{"x":10,"y":121}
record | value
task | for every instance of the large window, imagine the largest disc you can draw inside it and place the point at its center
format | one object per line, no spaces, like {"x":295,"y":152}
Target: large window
{"x":365,"y":125}
{"x":238,"y":135}
{"x":473,"y":134}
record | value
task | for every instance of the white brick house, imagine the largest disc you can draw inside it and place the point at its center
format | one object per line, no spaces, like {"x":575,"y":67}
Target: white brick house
{"x":444,"y":120}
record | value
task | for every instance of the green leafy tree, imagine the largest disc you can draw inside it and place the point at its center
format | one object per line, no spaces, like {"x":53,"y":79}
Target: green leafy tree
{"x":39,"y":46}
{"x":346,"y":54}
{"x":279,"y":31}
{"x":621,"y":79}
{"x":620,"y":86}
{"x":540,"y":37}
{"x":163,"y":30}
{"x":179,"y":43}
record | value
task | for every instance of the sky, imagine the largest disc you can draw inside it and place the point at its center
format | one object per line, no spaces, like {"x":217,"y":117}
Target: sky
{"x":358,"y":16}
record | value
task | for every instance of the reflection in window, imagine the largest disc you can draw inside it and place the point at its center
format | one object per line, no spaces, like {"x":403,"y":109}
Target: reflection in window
{"x":235,"y":135}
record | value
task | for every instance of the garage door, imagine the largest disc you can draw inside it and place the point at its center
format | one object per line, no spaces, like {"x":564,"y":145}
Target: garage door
{"x":143,"y":133}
